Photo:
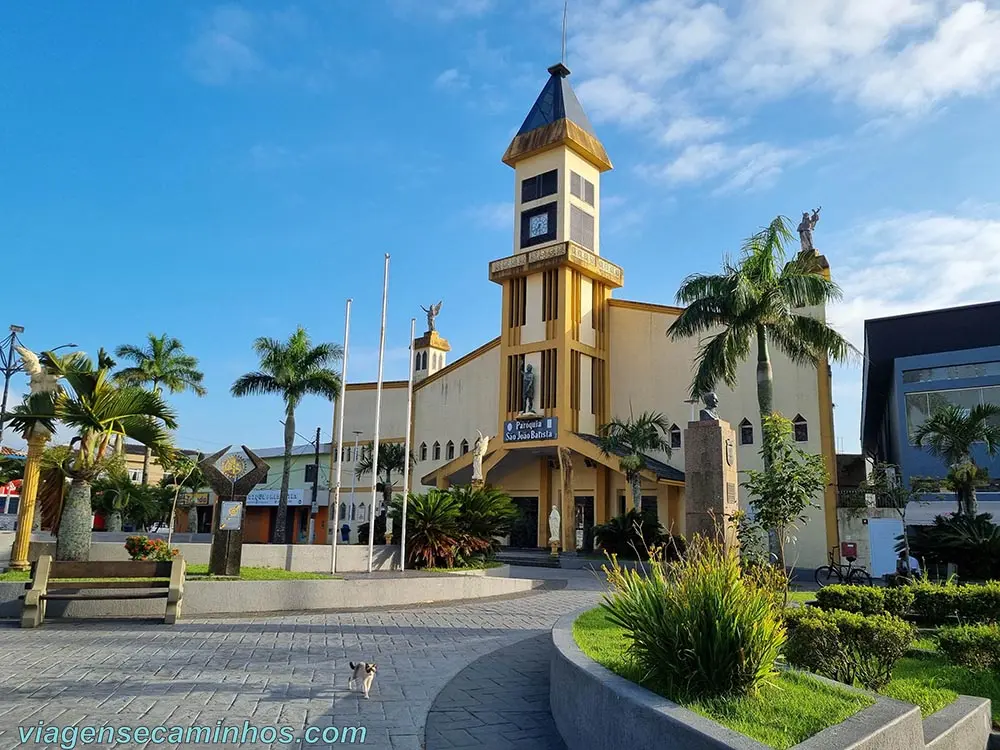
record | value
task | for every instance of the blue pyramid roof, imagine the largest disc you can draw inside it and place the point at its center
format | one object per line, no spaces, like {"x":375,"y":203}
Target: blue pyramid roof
{"x":557,"y":101}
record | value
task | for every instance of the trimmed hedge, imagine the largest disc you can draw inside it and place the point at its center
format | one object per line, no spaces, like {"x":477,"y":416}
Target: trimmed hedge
{"x":845,"y":646}
{"x":973,"y":646}
{"x":975,"y":603}
{"x":866,"y":600}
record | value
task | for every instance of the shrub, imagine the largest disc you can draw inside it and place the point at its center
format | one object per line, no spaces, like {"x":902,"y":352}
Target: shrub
{"x":698,"y":628}
{"x":846,"y":646}
{"x":485,"y":516}
{"x":633,"y":534}
{"x":866,"y":600}
{"x":973,"y":603}
{"x":144,"y":548}
{"x":973,"y":544}
{"x":973,"y":646}
{"x":432,"y":529}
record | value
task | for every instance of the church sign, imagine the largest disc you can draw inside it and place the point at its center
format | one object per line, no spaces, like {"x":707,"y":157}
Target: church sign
{"x":524,"y":430}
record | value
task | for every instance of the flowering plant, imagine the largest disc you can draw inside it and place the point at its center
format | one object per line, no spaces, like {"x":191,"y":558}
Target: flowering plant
{"x":144,"y":548}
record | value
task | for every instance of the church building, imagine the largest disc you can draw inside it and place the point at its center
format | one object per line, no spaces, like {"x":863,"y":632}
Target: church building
{"x":592,"y":356}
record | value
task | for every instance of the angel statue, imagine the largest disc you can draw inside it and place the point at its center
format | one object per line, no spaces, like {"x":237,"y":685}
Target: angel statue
{"x":432,"y":313}
{"x":805,"y":229}
{"x":478,"y":454}
{"x":41,"y":380}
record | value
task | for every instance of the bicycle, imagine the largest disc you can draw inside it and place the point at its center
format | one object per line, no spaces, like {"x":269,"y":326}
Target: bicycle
{"x":857,"y":576}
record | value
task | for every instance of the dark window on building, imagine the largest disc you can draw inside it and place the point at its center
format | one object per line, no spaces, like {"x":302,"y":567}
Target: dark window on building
{"x":538,"y":225}
{"x":437,"y":451}
{"x":648,"y":504}
{"x":675,"y":437}
{"x":581,"y":227}
{"x":746,"y":432}
{"x":451,"y":450}
{"x":582,"y":188}
{"x":423,"y":451}
{"x":801,"y":429}
{"x":465,"y":446}
{"x":539,"y":186}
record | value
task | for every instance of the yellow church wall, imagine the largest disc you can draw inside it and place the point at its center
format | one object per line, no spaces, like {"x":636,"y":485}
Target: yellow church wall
{"x":533,"y":329}
{"x":587,"y":419}
{"x":453,"y":406}
{"x":588,"y":335}
{"x":651,"y":372}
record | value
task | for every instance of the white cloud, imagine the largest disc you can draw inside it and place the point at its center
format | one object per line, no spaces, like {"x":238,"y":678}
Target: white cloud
{"x":612,"y":98}
{"x":222,"y":51}
{"x":451,"y":79}
{"x":493,"y":216}
{"x":692,"y":129}
{"x":739,"y":167}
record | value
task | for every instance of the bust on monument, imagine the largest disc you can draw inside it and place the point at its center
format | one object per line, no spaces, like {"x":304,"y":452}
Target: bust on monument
{"x":478,"y":454}
{"x":709,"y":413}
{"x":527,"y":390}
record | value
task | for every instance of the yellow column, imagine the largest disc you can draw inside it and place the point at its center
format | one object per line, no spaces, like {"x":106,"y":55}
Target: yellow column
{"x":29,"y":493}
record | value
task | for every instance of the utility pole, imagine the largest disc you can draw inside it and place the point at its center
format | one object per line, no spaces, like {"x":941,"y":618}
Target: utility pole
{"x":314,"y":506}
{"x":10,"y":367}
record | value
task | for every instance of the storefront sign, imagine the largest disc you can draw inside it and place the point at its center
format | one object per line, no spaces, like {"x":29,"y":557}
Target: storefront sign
{"x":523,"y":430}
{"x":200,"y":498}
{"x":231,"y":516}
{"x":270,"y":497}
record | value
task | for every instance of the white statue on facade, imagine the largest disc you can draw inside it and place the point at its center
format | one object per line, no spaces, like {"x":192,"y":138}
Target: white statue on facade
{"x":478,"y":454}
{"x":41,"y":380}
{"x":554,"y":537}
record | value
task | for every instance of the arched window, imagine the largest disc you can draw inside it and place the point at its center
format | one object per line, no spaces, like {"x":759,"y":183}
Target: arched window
{"x":343,"y":511}
{"x":354,"y":511}
{"x":800,"y":428}
{"x":675,"y":436}
{"x":450,"y":450}
{"x":416,"y":361}
{"x":465,"y":446}
{"x":423,"y":451}
{"x":437,"y":451}
{"x":363,"y":512}
{"x":746,"y":432}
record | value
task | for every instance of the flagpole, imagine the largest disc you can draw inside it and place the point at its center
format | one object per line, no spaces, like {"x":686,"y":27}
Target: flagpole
{"x":338,"y":444}
{"x":406,"y":451}
{"x":378,"y":416}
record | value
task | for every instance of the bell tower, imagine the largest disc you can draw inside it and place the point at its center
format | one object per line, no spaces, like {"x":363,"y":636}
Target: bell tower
{"x":556,"y":285}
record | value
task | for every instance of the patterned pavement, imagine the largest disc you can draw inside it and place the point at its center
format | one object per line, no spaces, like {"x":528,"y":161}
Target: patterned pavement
{"x":475,"y":673}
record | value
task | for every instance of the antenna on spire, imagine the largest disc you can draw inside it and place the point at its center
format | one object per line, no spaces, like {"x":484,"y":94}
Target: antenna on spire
{"x":562,"y":57}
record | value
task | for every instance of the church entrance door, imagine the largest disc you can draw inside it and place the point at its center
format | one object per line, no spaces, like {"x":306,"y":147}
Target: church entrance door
{"x":524,"y":533}
{"x":584,"y":524}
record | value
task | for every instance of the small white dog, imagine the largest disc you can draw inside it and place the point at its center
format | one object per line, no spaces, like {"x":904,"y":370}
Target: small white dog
{"x":363,"y":672}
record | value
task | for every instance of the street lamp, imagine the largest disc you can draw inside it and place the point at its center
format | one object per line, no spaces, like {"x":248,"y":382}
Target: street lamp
{"x":10,"y":366}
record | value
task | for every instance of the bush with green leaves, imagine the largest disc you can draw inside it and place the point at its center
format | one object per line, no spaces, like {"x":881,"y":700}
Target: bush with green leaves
{"x":972,"y":603}
{"x":632,"y":535}
{"x":698,"y":627}
{"x":432,"y":529}
{"x":485,"y":516}
{"x":846,"y":646}
{"x":143,"y":548}
{"x":973,"y":646}
{"x":970,"y":543}
{"x":866,"y":600}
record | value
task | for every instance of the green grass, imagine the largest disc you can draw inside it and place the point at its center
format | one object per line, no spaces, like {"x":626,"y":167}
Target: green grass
{"x":782,"y":715}
{"x":800,"y":597}
{"x":932,"y":683}
{"x":480,"y":566}
{"x":200,"y":572}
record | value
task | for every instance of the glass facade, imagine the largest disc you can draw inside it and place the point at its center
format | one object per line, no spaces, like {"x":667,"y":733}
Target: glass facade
{"x":920,"y":406}
{"x":951,"y":372}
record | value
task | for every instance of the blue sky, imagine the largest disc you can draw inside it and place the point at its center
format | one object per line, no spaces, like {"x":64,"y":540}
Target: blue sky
{"x":221,"y":172}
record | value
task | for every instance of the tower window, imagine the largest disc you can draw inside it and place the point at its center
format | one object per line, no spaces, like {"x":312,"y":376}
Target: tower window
{"x":437,"y":451}
{"x":746,"y":432}
{"x":451,"y":450}
{"x":539,"y":186}
{"x":423,"y":451}
{"x":675,"y":436}
{"x":581,"y":227}
{"x":800,"y":429}
{"x":423,"y":360}
{"x":538,"y":225}
{"x":582,"y":188}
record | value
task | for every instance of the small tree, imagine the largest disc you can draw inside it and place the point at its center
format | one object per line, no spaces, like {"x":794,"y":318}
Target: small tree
{"x":780,"y":494}
{"x":390,"y":461}
{"x":630,"y":439}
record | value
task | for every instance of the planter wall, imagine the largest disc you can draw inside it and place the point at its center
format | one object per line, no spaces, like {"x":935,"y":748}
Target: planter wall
{"x":595,"y":709}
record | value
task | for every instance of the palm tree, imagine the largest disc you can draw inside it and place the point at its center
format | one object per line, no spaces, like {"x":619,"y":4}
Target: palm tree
{"x":99,"y":409}
{"x":756,"y":302}
{"x":112,"y":493}
{"x":630,"y":439}
{"x":390,"y":460}
{"x":291,"y":369}
{"x":162,"y":363}
{"x":949,"y":434}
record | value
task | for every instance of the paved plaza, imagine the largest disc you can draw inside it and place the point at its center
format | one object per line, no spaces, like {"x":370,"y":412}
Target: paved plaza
{"x":468,"y":675}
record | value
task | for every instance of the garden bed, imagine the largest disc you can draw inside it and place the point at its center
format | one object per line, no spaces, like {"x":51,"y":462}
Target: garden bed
{"x":200,"y":573}
{"x":795,"y":708}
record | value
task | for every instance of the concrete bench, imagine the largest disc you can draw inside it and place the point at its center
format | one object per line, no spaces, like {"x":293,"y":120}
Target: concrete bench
{"x":49,"y":583}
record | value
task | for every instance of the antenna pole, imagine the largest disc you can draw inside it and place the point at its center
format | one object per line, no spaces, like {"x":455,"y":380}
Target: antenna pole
{"x":562,"y":57}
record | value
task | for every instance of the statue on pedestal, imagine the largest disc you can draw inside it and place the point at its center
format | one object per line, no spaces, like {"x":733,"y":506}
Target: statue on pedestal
{"x":478,"y":454}
{"x":432,"y":314}
{"x":554,"y":537}
{"x":709,"y":414}
{"x":527,"y":390}
{"x":805,"y":229}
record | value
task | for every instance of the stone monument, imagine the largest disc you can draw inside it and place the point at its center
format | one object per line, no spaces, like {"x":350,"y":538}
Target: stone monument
{"x":479,"y":451}
{"x":232,"y":476}
{"x":554,"y":531}
{"x":711,"y":480}
{"x":527,"y":391}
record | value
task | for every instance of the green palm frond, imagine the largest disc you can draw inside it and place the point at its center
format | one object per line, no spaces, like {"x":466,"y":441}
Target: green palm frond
{"x":161,"y":363}
{"x":255,"y":384}
{"x":629,"y":439}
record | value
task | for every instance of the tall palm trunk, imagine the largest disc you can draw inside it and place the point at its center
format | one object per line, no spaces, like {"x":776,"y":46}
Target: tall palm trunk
{"x":114,"y":521}
{"x":286,"y":470}
{"x":149,"y":451}
{"x":765,"y":404}
{"x":73,"y":542}
{"x":635,"y":481}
